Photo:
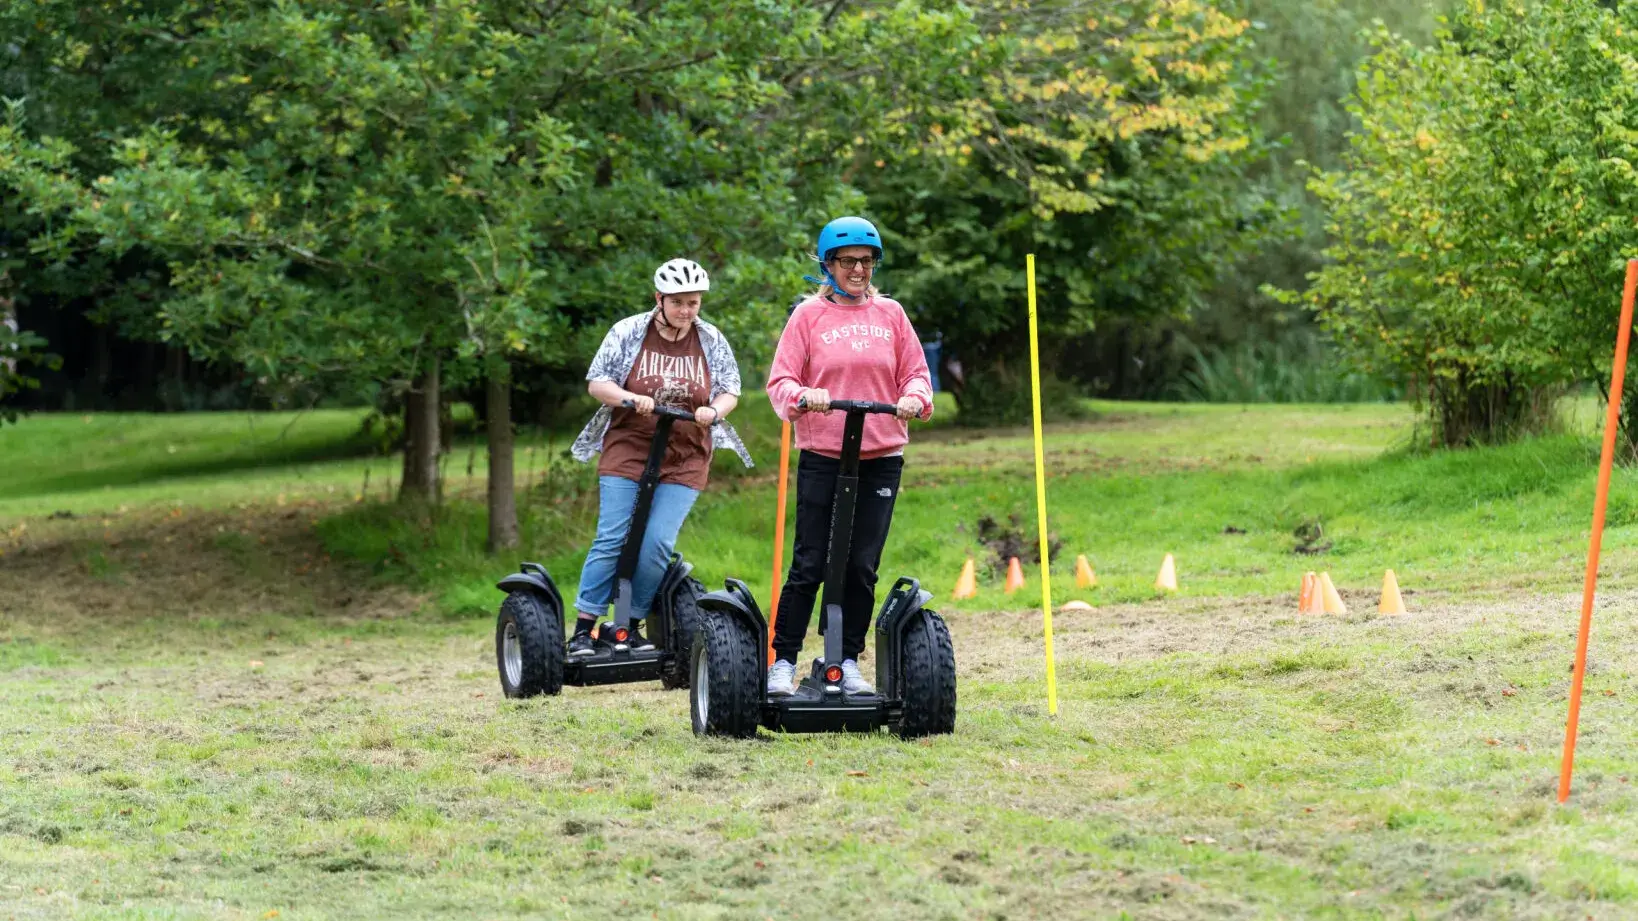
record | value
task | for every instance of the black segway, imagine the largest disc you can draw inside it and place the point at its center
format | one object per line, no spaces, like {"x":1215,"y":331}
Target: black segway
{"x":915,"y":660}
{"x":529,"y":645}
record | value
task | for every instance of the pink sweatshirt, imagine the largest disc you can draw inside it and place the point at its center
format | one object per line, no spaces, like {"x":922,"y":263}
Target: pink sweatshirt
{"x":867,"y":351}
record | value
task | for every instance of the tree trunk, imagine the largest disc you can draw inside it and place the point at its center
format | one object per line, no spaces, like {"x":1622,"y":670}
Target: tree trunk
{"x":503,"y":507}
{"x":420,"y":482}
{"x":446,"y":424}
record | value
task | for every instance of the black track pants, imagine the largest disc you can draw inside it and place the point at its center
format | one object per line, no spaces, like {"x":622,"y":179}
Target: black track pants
{"x":873,"y":514}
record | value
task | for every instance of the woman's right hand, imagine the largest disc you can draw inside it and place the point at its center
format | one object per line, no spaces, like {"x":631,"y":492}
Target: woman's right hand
{"x":814,"y":400}
{"x":641,"y":405}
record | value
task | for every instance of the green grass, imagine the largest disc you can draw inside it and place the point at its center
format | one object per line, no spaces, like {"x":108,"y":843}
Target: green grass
{"x":1136,"y":483}
{"x":223,"y":712}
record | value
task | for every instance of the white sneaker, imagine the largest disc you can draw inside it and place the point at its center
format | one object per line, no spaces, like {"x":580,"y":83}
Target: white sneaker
{"x":852,"y":681}
{"x":781,"y":679}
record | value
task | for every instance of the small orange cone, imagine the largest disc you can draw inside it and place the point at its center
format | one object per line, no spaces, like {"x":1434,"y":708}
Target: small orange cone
{"x":1391,"y":602}
{"x":1330,"y":597}
{"x":1316,"y":595}
{"x":967,"y":584}
{"x":1306,"y":593}
{"x":1084,"y":576}
{"x":1167,"y":580}
{"x":1015,"y":575}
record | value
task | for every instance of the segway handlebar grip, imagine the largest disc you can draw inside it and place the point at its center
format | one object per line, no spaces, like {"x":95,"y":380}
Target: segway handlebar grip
{"x":659,"y":410}
{"x":864,"y":406}
{"x":852,"y":406}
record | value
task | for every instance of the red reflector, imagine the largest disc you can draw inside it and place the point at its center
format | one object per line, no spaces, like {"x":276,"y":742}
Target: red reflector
{"x":833,"y":674}
{"x":620,"y":635}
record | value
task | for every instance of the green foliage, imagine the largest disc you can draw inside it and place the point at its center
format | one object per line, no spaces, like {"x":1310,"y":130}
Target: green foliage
{"x":1485,"y":210}
{"x":1313,"y":48}
{"x":999,"y":394}
{"x":1296,"y":370}
{"x":1109,"y":139}
{"x":346,"y":193}
{"x":19,"y":349}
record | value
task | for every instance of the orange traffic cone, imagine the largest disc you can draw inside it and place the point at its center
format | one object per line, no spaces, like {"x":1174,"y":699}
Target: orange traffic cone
{"x":1166,"y":581}
{"x":1015,"y":575}
{"x":967,"y":584}
{"x":1316,"y":595}
{"x":1306,"y":593}
{"x":1084,"y":576}
{"x":1391,"y":602}
{"x":1330,"y":596}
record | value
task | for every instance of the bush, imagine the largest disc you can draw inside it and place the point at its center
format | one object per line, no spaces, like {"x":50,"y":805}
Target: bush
{"x":1000,"y":395}
{"x":1278,"y":372}
{"x":1484,"y":210}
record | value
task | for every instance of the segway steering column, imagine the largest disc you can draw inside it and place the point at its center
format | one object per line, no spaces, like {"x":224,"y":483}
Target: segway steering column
{"x":841,"y":530}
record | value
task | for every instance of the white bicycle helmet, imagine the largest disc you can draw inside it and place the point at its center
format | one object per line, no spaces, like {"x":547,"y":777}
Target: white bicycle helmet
{"x":679,"y":276}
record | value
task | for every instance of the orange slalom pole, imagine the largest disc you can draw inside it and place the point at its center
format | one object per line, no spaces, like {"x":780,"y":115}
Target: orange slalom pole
{"x":1606,"y":461}
{"x":779,"y":532}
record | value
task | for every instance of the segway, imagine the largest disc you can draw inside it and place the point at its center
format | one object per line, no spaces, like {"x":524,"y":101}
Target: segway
{"x":529,"y":645}
{"x":915,"y":660}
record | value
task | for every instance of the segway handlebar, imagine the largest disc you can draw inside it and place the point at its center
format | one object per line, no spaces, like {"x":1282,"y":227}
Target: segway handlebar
{"x":659,"y":410}
{"x":856,"y":406}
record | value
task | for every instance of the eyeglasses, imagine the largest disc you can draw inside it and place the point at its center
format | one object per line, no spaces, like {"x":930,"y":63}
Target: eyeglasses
{"x":849,"y":263}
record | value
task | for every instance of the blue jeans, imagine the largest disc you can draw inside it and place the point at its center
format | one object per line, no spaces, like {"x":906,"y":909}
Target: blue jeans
{"x":617,"y":498}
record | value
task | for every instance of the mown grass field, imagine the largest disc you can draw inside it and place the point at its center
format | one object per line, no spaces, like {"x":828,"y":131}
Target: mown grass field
{"x":221,"y":703}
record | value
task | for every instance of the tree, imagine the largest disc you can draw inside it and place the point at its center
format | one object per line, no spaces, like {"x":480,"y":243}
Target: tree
{"x":1485,"y":209}
{"x":363,"y":195}
{"x":1112,"y":139}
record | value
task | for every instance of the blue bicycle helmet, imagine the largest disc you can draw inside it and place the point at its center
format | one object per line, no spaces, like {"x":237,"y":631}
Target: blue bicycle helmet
{"x":848,"y":231}
{"x":844,"y":231}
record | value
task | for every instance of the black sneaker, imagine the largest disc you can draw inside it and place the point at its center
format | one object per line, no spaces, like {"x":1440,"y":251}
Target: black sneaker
{"x":635,"y":640}
{"x":582,"y":645}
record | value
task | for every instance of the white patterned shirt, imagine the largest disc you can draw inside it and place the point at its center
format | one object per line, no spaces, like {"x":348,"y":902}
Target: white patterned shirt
{"x":618,"y":353}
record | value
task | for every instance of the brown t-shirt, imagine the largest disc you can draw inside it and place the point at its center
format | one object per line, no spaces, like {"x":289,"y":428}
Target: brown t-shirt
{"x":674,"y":374}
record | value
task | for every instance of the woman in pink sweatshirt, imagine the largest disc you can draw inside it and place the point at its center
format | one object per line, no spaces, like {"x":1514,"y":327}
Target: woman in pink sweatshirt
{"x":848,"y":342}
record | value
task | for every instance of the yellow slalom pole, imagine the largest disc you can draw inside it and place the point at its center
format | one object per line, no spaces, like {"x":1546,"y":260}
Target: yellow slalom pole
{"x":1040,"y":490}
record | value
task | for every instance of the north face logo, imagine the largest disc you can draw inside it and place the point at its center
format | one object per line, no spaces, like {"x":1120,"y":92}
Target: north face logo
{"x":886,"y":492}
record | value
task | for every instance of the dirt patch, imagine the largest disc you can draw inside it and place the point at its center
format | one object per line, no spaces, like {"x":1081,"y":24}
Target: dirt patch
{"x":60,"y":576}
{"x":1008,"y":644}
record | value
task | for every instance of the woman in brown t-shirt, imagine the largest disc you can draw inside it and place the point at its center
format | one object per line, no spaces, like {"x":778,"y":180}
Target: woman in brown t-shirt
{"x":666,"y":358}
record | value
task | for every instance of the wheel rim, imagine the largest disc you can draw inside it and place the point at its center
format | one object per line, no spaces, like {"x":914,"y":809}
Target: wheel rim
{"x":512,"y":655}
{"x":702,"y":692}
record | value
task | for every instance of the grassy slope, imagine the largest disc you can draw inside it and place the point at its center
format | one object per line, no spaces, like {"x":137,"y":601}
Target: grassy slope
{"x":206,"y":718}
{"x":1139,"y":481}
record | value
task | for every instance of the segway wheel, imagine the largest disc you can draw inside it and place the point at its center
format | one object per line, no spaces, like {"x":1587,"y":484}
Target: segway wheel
{"x":725,"y":687}
{"x":929,"y":679}
{"x":529,"y":645}
{"x":685,"y":622}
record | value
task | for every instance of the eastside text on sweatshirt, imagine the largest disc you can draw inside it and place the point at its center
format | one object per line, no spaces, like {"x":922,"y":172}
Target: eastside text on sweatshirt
{"x":867,"y":351}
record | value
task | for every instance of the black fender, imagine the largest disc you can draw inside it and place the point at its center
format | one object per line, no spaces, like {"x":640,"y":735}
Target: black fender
{"x":675,"y":573}
{"x":905,"y":607}
{"x":533,"y":577}
{"x":735,"y":601}
{"x":660,"y":616}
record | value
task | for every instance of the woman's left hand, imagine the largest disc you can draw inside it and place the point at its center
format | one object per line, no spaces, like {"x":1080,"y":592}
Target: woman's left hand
{"x":910,"y":408}
{"x":707,"y":415}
